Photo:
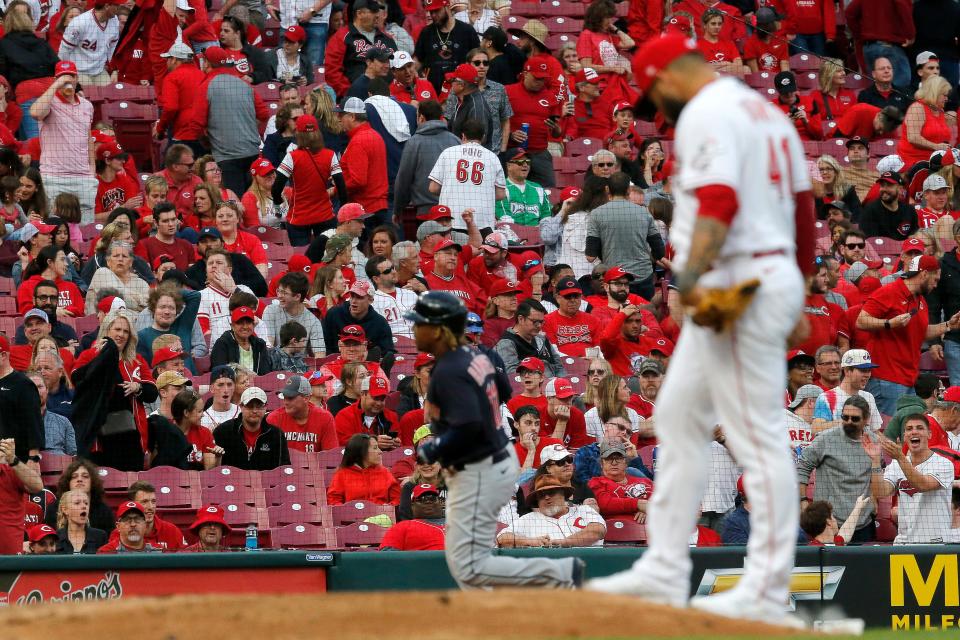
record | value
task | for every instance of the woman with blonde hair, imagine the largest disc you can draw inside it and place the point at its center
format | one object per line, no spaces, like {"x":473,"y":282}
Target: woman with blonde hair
{"x":257,"y":202}
{"x":833,"y":99}
{"x":74,"y":533}
{"x":118,"y":274}
{"x":206,"y":199}
{"x":925,"y":127}
{"x":326,"y":291}
{"x":597,"y":370}
{"x":612,"y":397}
{"x":320,"y":105}
{"x":835,"y":188}
{"x":931,"y":241}
{"x":227,"y":218}
{"x":113,"y":384}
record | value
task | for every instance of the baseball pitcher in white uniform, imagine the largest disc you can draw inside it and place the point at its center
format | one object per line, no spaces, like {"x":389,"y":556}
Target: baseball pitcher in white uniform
{"x":743,"y":200}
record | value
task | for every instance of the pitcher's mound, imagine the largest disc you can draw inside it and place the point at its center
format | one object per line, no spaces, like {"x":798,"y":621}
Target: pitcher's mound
{"x":402,"y":615}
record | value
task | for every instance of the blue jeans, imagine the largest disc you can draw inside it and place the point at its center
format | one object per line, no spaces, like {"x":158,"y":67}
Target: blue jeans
{"x":902,"y":69}
{"x":29,"y":128}
{"x":812,"y":43}
{"x":887,"y":393}
{"x":302,"y":235}
{"x":951,"y":354}
{"x":316,"y":42}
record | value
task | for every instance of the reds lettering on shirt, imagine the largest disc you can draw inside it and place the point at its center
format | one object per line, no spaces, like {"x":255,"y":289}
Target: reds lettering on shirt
{"x":567,"y":334}
{"x":113,"y":198}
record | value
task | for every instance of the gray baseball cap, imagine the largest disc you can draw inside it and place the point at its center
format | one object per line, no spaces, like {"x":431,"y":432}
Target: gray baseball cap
{"x":649,"y":365}
{"x":429,"y":228}
{"x":335,"y":245}
{"x":804,"y":392}
{"x":296,"y":386}
{"x":854,"y":271}
{"x":609,"y":448}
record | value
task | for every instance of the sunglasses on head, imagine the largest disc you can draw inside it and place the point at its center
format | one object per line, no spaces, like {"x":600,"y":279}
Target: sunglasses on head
{"x":856,"y":245}
{"x":530,"y":264}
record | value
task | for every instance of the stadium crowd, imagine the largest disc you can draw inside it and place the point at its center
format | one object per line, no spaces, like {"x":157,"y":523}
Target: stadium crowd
{"x":216,"y":215}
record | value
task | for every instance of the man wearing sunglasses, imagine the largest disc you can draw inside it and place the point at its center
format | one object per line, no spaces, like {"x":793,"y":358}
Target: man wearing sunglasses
{"x":843,"y":466}
{"x":525,"y":339}
{"x":569,"y":327}
{"x":554,"y":523}
{"x":526,"y":202}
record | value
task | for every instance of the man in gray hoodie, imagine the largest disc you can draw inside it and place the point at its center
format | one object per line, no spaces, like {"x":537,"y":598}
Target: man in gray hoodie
{"x":420,"y":154}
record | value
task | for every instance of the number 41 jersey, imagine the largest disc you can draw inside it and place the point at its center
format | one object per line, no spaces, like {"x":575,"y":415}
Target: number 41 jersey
{"x":468,"y":175}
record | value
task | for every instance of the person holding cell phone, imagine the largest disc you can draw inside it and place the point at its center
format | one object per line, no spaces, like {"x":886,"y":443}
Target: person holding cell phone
{"x":368,"y":415}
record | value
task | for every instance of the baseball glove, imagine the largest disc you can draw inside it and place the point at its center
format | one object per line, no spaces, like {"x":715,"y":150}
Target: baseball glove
{"x":720,"y":308}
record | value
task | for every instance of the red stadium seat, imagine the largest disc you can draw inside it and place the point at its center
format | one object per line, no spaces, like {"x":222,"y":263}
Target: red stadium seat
{"x":760,"y":80}
{"x":233,"y":494}
{"x":804,"y":62}
{"x":563,"y":8}
{"x":808,"y":81}
{"x":561,"y":24}
{"x":405,"y":344}
{"x":226,"y":475}
{"x":360,"y":534}
{"x":570,"y":164}
{"x":329,"y":459}
{"x":857,"y":82}
{"x":269,"y":234}
{"x":170,"y":476}
{"x":359,"y":510}
{"x":528,"y":8}
{"x":202,"y":365}
{"x":239,"y":516}
{"x":115,"y":481}
{"x":299,"y":513}
{"x":177,"y":497}
{"x":394,"y":456}
{"x":881,"y":148}
{"x":268,"y":91}
{"x":125,"y":91}
{"x":299,"y":459}
{"x":886,"y":530}
{"x":52,"y":466}
{"x":624,"y":530}
{"x":272,"y":382}
{"x":304,"y":536}
{"x":289,"y":474}
{"x":583,"y":147}
{"x":514,"y":22}
{"x":86,"y":324}
{"x":556,"y":41}
{"x":271,"y":33}
{"x":290,"y":493}
{"x":648,"y":454}
{"x":8,"y":327}
{"x":237,"y":538}
{"x":7,"y":286}
{"x":527,"y":235}
{"x":8,"y":306}
{"x":836,"y":147}
{"x":392,"y":401}
{"x":930,"y":364}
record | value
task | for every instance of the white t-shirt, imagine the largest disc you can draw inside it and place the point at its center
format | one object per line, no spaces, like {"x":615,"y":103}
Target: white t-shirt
{"x":801,"y":435}
{"x":392,"y":309}
{"x":468,"y":175}
{"x":215,"y":307}
{"x":829,"y":406}
{"x":535,"y":524}
{"x":89,"y":44}
{"x":595,"y":424}
{"x":730,"y":135}
{"x":923,"y":516}
{"x":212,"y":419}
{"x":720,"y":494}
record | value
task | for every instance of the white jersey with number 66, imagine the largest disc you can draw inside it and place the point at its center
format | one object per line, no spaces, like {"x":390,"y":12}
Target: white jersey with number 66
{"x":469,"y":175}
{"x":729,"y":135}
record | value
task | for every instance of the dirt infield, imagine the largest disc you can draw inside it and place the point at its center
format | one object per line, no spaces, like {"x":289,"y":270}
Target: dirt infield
{"x":531,"y":615}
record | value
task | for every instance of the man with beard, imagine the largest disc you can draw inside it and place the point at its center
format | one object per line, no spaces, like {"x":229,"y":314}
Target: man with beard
{"x":45,"y":298}
{"x":532,"y":39}
{"x":887,"y":216}
{"x":425,"y":532}
{"x":623,"y":341}
{"x":211,"y":530}
{"x":131,"y":531}
{"x":444,"y":43}
{"x":493,"y":263}
{"x":157,"y":532}
{"x":828,"y":322}
{"x":898,"y":317}
{"x":843,"y":468}
{"x":857,"y":368}
{"x":555,"y":523}
{"x":616,"y":284}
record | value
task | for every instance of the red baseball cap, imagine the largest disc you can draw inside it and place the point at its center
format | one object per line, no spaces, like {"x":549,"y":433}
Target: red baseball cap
{"x":240,"y":313}
{"x":109,"y":150}
{"x":360,"y":288}
{"x":465,"y":72}
{"x":679,"y":25}
{"x":437,"y":212}
{"x":616,"y":136}
{"x":111,"y":303}
{"x":569,"y":192}
{"x":531,"y":364}
{"x":873,"y":264}
{"x":912,"y":244}
{"x":657,"y":53}
{"x":216,"y":56}
{"x":559,"y":388}
{"x":319,"y":377}
{"x":537,"y":69}
{"x":161,"y":259}
{"x":800,"y":353}
{"x":353,"y":333}
{"x":376,"y":386}
{"x":433,"y":5}
{"x":423,"y":359}
{"x":419,"y":490}
{"x":352,"y":211}
{"x":446,"y":243}
{"x":38,"y":532}
{"x":7,"y":139}
{"x":503,"y":287}
{"x":165,"y":355}
{"x":294,"y":33}
{"x":622,"y":106}
{"x":740,"y":489}
{"x":299,"y":262}
{"x":210,"y":514}
{"x":262,"y":167}
{"x":616,"y":273}
{"x":586,"y":74}
{"x":922,"y":263}
{"x":667,"y":169}
{"x":44,"y":228}
{"x":530,"y":262}
{"x":664,"y":346}
{"x":64,"y":68}
{"x":306,"y":123}
{"x":951,"y":394}
{"x":129,"y":506}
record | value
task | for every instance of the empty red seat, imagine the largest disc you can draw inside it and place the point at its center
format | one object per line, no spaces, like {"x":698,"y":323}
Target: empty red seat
{"x":360,"y":534}
{"x":514,"y":22}
{"x":268,"y":91}
{"x":233,"y":494}
{"x":405,"y":344}
{"x":394,"y":456}
{"x":115,"y":481}
{"x":269,"y":234}
{"x":804,"y":62}
{"x":329,"y":459}
{"x":359,"y":510}
{"x":239,"y":516}
{"x":178,"y":497}
{"x":290,"y":493}
{"x":272,"y":382}
{"x":528,"y":8}
{"x":836,"y":147}
{"x":86,"y":324}
{"x":125,"y":91}
{"x":881,"y":148}
{"x":124,"y":110}
{"x":270,"y":34}
{"x":808,"y":81}
{"x":8,"y":306}
{"x":170,"y":476}
{"x":857,"y":82}
{"x":625,"y":530}
{"x":555,"y":41}
{"x":304,"y":536}
{"x":560,"y":24}
{"x":229,"y":476}
{"x":290,"y":474}
{"x":648,"y":455}
{"x":583,"y":147}
{"x":529,"y":235}
{"x":299,"y":513}
{"x":563,"y":8}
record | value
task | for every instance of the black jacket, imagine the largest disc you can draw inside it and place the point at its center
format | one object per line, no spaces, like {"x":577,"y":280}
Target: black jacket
{"x":269,"y":452}
{"x":849,"y":198}
{"x":506,"y":67}
{"x":101,"y":517}
{"x":96,"y":538}
{"x":24,"y":56}
{"x":168,"y":444}
{"x":226,"y":350}
{"x":898,"y":97}
{"x":474,"y":107}
{"x":877,"y":220}
{"x":945,"y":299}
{"x":244,"y":272}
{"x":378,"y":330}
{"x":409,"y":399}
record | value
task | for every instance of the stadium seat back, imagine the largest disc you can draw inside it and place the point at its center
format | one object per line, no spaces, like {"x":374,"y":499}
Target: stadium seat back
{"x":624,"y":531}
{"x":359,"y":510}
{"x":360,"y":534}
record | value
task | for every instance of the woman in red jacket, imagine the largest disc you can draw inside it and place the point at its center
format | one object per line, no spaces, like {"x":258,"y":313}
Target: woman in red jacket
{"x":361,"y":476}
{"x":833,"y":100}
{"x":925,"y":127}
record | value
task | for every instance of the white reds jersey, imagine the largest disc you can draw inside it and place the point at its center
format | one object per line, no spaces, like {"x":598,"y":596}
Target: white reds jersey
{"x":923,"y":516}
{"x":392,"y":308}
{"x":535,"y":524}
{"x":89,"y":44}
{"x":215,"y":307}
{"x":730,"y":135}
{"x":468,"y":175}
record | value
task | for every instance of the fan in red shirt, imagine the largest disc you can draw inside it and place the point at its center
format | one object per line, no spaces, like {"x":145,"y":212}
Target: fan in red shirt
{"x":527,"y":421}
{"x":160,"y":534}
{"x":868,"y":122}
{"x":211,"y":530}
{"x":617,"y":493}
{"x":308,"y":428}
{"x":369,"y":416}
{"x":46,"y":266}
{"x":407,"y":86}
{"x":616,"y":284}
{"x":717,"y":50}
{"x":364,"y":161}
{"x":569,"y":328}
{"x":937,"y":202}
{"x":813,"y":18}
{"x":425,"y":531}
{"x":828,"y":321}
{"x":623,"y":341}
{"x":801,"y":110}
{"x":228,"y":216}
{"x":181,"y":181}
{"x":818,"y":522}
{"x":495,"y":261}
{"x":591,"y":108}
{"x":734,"y":27}
{"x":535,"y":104}
{"x":177,"y":94}
{"x":114,"y":187}
{"x":177,"y":20}
{"x":16,"y":483}
{"x":446,"y":277}
{"x":833,"y":99}
{"x":898,"y":317}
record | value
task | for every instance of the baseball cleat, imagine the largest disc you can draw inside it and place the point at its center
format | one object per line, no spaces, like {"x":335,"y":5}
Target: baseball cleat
{"x":629,"y":583}
{"x":732,"y":605}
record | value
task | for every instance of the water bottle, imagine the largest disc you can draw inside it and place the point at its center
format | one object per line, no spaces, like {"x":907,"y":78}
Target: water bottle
{"x":525,"y":127}
{"x":251,"y":541}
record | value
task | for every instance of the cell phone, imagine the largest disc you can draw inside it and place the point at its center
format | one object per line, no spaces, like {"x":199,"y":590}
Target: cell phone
{"x":393,"y":434}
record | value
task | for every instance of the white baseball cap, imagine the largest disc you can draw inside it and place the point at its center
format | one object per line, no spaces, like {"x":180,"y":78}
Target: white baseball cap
{"x":253,"y":393}
{"x":926,"y":56}
{"x":934,"y":182}
{"x":178,"y":50}
{"x":351,"y":105}
{"x":184,"y":5}
{"x":400,"y":59}
{"x":892,"y":162}
{"x":857,"y":359}
{"x":553,"y":453}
